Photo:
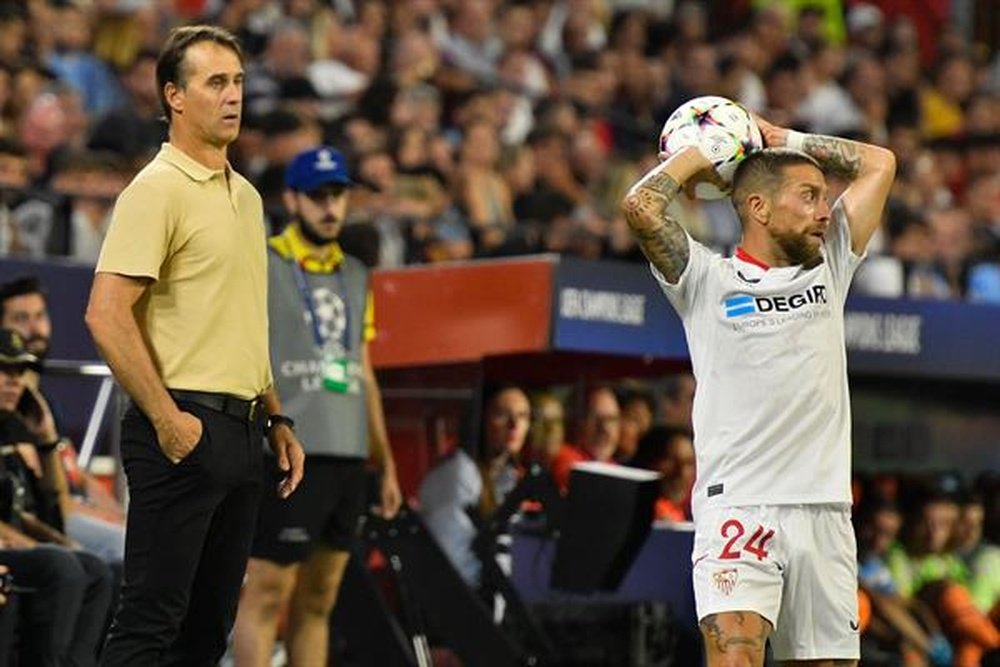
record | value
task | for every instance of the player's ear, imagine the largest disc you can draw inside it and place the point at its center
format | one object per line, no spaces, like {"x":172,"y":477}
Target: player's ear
{"x":758,"y":207}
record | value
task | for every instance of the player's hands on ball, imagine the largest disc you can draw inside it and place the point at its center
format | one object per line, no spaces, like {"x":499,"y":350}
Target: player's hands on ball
{"x":291,"y":458}
{"x":773,"y":135}
{"x":705,"y":174}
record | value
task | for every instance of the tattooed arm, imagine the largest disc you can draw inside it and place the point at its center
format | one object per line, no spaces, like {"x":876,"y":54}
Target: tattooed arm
{"x":662,"y":239}
{"x":870,"y":170}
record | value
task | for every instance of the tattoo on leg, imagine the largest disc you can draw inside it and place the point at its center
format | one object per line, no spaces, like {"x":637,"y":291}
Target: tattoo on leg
{"x":724,"y":641}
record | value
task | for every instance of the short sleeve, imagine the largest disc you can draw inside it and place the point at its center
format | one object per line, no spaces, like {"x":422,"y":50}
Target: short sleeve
{"x":685,"y":291}
{"x":139,"y":236}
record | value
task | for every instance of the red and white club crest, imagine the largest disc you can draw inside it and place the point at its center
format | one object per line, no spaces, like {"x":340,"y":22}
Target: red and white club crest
{"x":725,"y":580}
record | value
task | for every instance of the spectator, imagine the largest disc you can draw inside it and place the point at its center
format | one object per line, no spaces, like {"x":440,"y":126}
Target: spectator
{"x":677,"y":400}
{"x":92,"y":516}
{"x":73,"y":62}
{"x":63,"y":620}
{"x":548,"y":430}
{"x":599,"y":435}
{"x":670,"y":452}
{"x":981,"y":557}
{"x":638,"y":411}
{"x":461,"y":486}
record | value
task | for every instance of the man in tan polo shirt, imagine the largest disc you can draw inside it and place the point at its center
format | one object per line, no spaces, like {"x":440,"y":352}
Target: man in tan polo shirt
{"x":179,"y":311}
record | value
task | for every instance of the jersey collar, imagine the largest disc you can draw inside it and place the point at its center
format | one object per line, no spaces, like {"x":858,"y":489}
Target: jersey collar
{"x":744,"y":256}
{"x":193,"y":169}
{"x":290,"y":245}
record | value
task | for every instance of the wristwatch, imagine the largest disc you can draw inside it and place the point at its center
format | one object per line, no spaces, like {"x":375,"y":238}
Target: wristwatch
{"x":274,"y":420}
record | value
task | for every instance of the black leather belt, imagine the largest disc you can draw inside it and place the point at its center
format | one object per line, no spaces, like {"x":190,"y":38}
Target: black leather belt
{"x":241,"y":408}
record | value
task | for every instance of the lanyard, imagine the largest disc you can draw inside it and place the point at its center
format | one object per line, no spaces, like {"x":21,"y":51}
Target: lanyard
{"x":300,"y":281}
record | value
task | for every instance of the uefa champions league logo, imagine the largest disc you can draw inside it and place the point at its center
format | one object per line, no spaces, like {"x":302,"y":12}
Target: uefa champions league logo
{"x":332,"y":317}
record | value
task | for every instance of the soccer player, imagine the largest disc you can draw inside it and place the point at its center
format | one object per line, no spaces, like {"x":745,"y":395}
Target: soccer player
{"x":774,"y":552}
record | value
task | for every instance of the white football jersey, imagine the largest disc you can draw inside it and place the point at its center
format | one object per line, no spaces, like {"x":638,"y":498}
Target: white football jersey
{"x":772,"y":414}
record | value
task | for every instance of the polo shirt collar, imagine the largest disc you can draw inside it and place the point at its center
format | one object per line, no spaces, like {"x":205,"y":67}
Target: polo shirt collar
{"x":194,"y":170}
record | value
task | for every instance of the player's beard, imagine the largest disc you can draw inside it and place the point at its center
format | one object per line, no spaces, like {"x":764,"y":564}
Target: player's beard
{"x":798,"y":249}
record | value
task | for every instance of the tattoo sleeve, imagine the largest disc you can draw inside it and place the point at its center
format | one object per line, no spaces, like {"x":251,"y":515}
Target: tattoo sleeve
{"x":841,"y":157}
{"x":661,"y":237}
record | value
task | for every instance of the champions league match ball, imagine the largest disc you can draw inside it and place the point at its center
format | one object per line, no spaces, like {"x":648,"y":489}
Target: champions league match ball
{"x":724,"y":130}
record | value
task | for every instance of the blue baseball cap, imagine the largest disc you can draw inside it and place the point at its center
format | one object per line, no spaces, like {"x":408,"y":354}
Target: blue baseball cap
{"x":312,"y":169}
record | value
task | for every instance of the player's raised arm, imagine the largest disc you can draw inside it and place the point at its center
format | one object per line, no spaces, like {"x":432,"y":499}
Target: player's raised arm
{"x":660,"y":235}
{"x":870,"y":170}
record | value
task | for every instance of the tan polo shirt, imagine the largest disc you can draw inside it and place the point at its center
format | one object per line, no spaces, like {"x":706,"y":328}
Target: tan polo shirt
{"x":199,"y":234}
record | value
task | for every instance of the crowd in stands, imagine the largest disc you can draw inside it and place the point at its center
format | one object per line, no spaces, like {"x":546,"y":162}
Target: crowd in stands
{"x":495,"y":127}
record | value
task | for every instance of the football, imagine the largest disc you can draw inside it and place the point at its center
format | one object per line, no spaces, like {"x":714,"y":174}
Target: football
{"x":724,"y":131}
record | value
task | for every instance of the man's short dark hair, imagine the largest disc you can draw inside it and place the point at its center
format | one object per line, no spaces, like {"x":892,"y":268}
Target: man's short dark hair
{"x":169,"y":64}
{"x":765,"y":171}
{"x":20,"y":287}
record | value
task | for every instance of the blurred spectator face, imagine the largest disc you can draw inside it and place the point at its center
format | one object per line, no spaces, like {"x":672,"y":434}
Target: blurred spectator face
{"x":413,"y":149}
{"x":637,"y":418}
{"x":903,"y":69}
{"x":28,"y":315}
{"x":968,"y":531}
{"x":11,"y":387}
{"x":288,"y":52}
{"x":699,"y":71}
{"x":784,"y":91}
{"x":914,"y":243}
{"x":885,"y":525}
{"x":810,"y":25}
{"x":937,"y":523}
{"x":631,"y":33}
{"x":480,"y":145}
{"x":771,"y":27}
{"x":520,"y":172}
{"x":904,"y":142}
{"x":982,"y":115}
{"x":364,"y":56}
{"x":44,"y":126}
{"x":13,"y":171}
{"x":678,"y":467}
{"x":379,"y":169}
{"x":474,"y":21}
{"x":602,"y":426}
{"x":414,"y":58}
{"x":507,"y":420}
{"x":12,"y":35}
{"x":678,"y":402}
{"x":416,"y":106}
{"x":72,"y":29}
{"x":866,"y":81}
{"x":865,"y":26}
{"x":281,"y":148}
{"x":548,"y":431}
{"x":517,"y":28}
{"x":362,"y":135}
{"x":982,"y":199}
{"x":140,"y":82}
{"x":27,"y":87}
{"x":956,"y":79}
{"x":951,"y":232}
{"x":691,"y":22}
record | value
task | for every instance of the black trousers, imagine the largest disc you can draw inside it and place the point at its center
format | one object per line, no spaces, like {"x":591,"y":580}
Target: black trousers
{"x":63,"y":605}
{"x":190,"y":526}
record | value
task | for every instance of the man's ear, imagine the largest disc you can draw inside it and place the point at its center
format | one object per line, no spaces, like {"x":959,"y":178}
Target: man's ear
{"x":172,"y":93}
{"x":758,"y":208}
{"x":291,"y":205}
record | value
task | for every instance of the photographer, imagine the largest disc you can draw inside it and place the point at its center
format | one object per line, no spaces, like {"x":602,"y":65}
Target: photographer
{"x":67,"y":593}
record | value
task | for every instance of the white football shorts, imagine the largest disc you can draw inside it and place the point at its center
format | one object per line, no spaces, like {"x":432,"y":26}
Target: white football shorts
{"x":795,"y":565}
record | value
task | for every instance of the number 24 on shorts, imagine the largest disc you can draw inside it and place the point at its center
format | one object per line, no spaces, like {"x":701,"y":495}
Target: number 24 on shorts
{"x":733,"y":531}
